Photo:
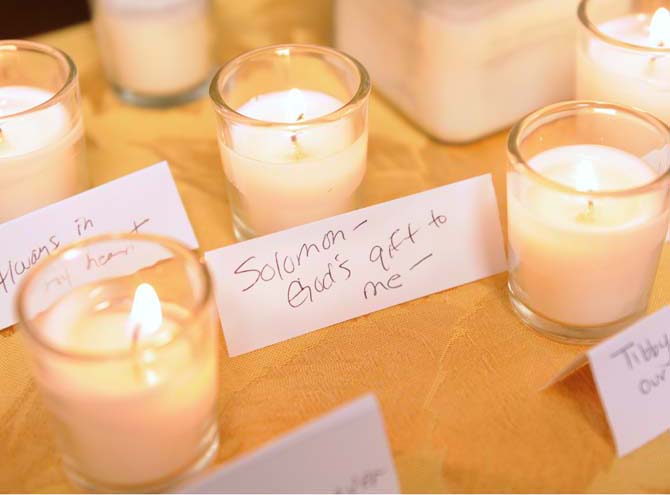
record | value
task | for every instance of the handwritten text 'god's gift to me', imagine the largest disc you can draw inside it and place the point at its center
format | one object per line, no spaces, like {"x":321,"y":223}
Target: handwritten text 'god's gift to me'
{"x":289,"y":283}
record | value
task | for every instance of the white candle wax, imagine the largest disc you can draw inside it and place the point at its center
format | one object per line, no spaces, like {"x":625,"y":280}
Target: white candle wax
{"x":130,"y":421}
{"x":155,"y":48}
{"x":281,"y":178}
{"x":621,"y":75}
{"x":41,"y":152}
{"x":581,"y":261}
{"x":463,"y":69}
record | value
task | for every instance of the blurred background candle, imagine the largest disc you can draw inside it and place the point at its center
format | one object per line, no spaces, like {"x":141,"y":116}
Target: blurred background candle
{"x":587,"y":216}
{"x":463,"y":69}
{"x":156,"y":52}
{"x":41,"y":131}
{"x":293,"y":135}
{"x":624,"y":54}
{"x":126,"y":360}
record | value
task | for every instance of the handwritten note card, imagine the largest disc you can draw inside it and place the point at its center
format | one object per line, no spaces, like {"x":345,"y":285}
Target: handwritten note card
{"x":286,"y":284}
{"x":343,"y":452}
{"x":632,"y":373}
{"x":146,"y":201}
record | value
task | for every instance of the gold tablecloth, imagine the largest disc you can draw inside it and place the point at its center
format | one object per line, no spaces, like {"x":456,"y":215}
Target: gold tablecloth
{"x":456,"y":373}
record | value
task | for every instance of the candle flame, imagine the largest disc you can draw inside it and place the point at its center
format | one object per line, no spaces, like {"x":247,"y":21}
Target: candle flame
{"x":585,"y":177}
{"x":296,"y":105}
{"x":659,"y":29}
{"x":146,"y":316}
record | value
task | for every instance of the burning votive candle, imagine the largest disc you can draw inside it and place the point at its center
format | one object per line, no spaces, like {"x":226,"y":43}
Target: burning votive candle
{"x":121,"y":331}
{"x":157,"y":52}
{"x":293,"y":134}
{"x":588,"y":202}
{"x":624,"y":54}
{"x":41,"y":132}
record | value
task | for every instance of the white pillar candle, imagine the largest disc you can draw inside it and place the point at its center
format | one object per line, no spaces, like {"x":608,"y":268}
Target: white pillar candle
{"x":618,"y":74}
{"x":280,"y":178}
{"x":41,"y":151}
{"x":462,"y":69}
{"x":157,"y":48}
{"x":130,"y":420}
{"x":584,"y":261}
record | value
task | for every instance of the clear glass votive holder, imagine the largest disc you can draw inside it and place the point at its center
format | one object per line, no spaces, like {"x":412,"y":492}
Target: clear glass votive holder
{"x":623,"y":54}
{"x":42,"y":149}
{"x":293,"y":133}
{"x":588,"y":209}
{"x":121,"y":331}
{"x":156,"y":52}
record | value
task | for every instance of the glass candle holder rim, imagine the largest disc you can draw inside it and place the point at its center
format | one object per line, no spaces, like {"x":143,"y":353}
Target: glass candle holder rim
{"x":175,"y":246}
{"x":520,"y":129}
{"x":358,"y":98}
{"x":42,"y":48}
{"x":582,"y":14}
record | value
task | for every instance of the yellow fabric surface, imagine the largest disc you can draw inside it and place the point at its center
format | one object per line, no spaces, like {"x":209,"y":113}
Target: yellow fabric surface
{"x":456,"y":373}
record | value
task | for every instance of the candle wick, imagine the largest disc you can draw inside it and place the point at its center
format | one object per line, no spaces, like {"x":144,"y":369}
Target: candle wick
{"x":299,"y":154}
{"x":294,"y":139}
{"x":588,"y":215}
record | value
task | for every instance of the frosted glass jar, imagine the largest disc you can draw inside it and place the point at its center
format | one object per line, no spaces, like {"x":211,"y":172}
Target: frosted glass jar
{"x":463,"y":69}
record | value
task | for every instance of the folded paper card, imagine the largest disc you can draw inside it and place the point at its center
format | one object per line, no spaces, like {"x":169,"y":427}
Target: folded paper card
{"x":146,"y":201}
{"x":343,"y":452}
{"x":632,"y":374}
{"x":286,"y":284}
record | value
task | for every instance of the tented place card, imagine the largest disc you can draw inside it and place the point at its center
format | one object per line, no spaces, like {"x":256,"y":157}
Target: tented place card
{"x":343,"y":452}
{"x":276,"y":287}
{"x":146,"y":201}
{"x":632,"y":374}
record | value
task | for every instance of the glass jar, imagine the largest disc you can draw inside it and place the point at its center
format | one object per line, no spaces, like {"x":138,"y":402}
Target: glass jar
{"x":588,"y":207}
{"x":156,"y":52}
{"x":293,"y":134}
{"x":42,"y":149}
{"x":623,"y":54}
{"x":121,"y":331}
{"x":463,"y":69}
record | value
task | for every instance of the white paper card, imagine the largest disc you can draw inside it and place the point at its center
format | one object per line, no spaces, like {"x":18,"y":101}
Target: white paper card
{"x":146,"y":201}
{"x":345,"y":451}
{"x":276,"y":287}
{"x":632,"y":373}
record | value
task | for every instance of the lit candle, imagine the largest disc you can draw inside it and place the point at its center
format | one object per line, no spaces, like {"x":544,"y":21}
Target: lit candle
{"x":41,"y":132}
{"x":130,"y":378}
{"x":281,"y":178}
{"x":293,"y":134}
{"x":158,"y":49}
{"x":579,"y":260}
{"x":627,"y":60}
